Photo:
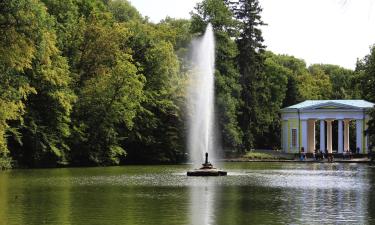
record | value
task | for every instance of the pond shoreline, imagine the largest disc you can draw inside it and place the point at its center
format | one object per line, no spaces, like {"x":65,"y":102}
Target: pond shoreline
{"x":360,"y":160}
{"x":230,"y":160}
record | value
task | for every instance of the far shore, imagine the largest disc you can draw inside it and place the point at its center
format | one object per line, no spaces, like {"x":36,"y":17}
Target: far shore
{"x":278,"y":156}
{"x":338,"y":160}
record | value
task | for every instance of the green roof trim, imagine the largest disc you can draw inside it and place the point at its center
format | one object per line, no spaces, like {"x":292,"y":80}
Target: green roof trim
{"x":325,"y":104}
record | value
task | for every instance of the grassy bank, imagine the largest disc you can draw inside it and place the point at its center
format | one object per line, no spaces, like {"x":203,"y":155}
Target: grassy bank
{"x":267,"y":155}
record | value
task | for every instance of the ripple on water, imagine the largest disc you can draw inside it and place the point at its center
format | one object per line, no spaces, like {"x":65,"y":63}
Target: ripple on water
{"x":286,"y":194}
{"x":281,"y":178}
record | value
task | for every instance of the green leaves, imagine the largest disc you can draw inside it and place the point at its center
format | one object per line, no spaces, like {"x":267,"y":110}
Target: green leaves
{"x":26,"y":51}
{"x":366,"y":80}
{"x":157,"y":135}
{"x":110,"y":91}
{"x":255,"y":93}
{"x":91,"y":82}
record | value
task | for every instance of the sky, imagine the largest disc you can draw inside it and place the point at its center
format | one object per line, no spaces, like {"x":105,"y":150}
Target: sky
{"x":318,"y":31}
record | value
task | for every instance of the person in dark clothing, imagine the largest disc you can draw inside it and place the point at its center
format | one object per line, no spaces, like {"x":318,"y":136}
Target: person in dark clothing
{"x":302,"y":154}
{"x":326,"y":154}
{"x":318,"y":155}
{"x":329,"y":156}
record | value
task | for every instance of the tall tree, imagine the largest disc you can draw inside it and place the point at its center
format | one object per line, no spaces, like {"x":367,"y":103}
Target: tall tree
{"x":123,"y":11}
{"x":296,"y":68}
{"x":278,"y":83}
{"x":17,"y":50}
{"x":315,"y":84}
{"x":158,"y":133}
{"x":43,"y":73}
{"x":340,"y":78}
{"x":109,"y":89}
{"x":366,"y":68}
{"x":255,"y":93}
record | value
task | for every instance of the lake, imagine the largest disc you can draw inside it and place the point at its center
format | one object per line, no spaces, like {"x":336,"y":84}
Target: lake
{"x":252,"y":193}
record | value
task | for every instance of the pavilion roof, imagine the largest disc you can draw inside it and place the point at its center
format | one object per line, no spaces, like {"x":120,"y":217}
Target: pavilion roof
{"x":311,"y":104}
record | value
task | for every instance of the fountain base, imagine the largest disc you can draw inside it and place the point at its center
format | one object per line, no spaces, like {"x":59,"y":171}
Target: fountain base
{"x":206,"y":170}
{"x":206,"y":173}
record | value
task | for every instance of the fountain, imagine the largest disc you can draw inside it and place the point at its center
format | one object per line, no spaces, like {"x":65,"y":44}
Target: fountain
{"x":201,"y":106}
{"x":207,"y":169}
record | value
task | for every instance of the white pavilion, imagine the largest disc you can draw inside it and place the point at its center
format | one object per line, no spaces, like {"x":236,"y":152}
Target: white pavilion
{"x":298,"y":125}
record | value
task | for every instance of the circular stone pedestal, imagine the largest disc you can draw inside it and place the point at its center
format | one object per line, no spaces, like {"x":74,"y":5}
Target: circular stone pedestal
{"x":206,"y":172}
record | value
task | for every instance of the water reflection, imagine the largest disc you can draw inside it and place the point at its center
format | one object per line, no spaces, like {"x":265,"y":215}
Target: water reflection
{"x":329,"y":194}
{"x":251,"y":194}
{"x":310,"y":194}
{"x":326,"y":206}
{"x":202,"y":203}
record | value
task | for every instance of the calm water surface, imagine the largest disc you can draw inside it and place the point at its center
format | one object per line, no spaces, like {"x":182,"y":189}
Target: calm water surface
{"x":252,"y":193}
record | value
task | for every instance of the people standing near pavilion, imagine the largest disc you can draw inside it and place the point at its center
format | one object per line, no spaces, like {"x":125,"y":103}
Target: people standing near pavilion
{"x":326,"y":153}
{"x":302,"y":154}
{"x":345,"y":154}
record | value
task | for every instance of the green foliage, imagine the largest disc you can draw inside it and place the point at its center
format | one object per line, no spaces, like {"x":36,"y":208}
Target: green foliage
{"x":17,"y":51}
{"x":266,"y":155}
{"x":123,"y":11}
{"x":371,"y":129}
{"x":341,"y":79}
{"x":5,"y":162}
{"x":277,"y":81}
{"x":36,"y":67}
{"x":290,"y":82}
{"x":315,"y":84}
{"x":109,"y":90}
{"x":158,"y":134}
{"x":92,"y":82}
{"x":259,"y":155}
{"x":366,"y":80}
{"x":104,"y":106}
{"x":366,"y":69}
{"x":255,"y":94}
{"x":67,"y":24}
{"x":180,"y":36}
{"x":296,"y":68}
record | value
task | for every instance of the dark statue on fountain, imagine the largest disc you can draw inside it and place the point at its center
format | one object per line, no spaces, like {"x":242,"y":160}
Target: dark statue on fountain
{"x":206,"y":164}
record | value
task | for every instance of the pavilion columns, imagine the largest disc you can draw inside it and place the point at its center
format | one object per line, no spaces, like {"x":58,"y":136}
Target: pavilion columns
{"x":322,"y":136}
{"x":304,"y":127}
{"x":346,"y":135}
{"x":340,"y":142}
{"x":359,"y":134}
{"x":329,"y":136}
{"x":311,"y":136}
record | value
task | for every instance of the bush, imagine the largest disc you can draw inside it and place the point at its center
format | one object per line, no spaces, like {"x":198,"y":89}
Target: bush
{"x":258,"y":155}
{"x":5,"y":162}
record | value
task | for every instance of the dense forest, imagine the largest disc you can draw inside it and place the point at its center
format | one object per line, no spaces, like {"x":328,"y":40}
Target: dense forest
{"x":92,"y":82}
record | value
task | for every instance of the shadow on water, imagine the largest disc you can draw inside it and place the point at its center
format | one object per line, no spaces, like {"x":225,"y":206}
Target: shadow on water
{"x":252,"y":193}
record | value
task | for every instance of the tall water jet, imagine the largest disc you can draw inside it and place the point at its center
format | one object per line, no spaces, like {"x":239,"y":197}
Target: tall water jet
{"x":201,"y":97}
{"x":201,"y":141}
